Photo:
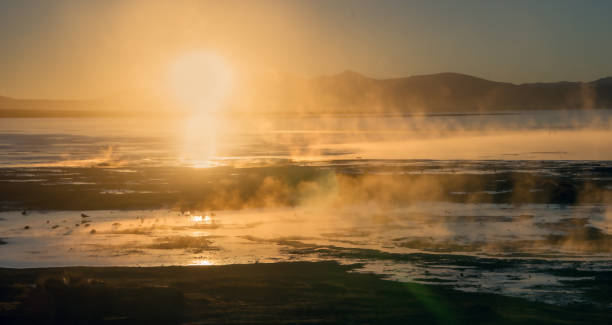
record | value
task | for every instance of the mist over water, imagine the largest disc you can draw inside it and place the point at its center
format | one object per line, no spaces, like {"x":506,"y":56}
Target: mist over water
{"x":517,"y":203}
{"x":537,"y":135}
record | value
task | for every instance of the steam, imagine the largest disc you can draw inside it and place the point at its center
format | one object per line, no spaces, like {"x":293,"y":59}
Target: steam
{"x":571,"y":135}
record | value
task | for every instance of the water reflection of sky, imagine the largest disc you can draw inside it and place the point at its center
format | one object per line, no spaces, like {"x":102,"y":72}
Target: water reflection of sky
{"x":545,"y":252}
{"x":481,"y":247}
{"x":566,"y":135}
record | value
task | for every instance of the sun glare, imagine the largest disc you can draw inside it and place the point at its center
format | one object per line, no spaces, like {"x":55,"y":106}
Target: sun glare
{"x":202,"y":219}
{"x":200,"y":80}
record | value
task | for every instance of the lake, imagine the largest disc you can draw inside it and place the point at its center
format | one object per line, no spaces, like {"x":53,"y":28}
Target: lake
{"x":515,"y":203}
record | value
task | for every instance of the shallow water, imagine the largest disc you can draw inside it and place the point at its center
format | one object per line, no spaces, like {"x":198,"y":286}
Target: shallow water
{"x":499,"y":226}
{"x":214,"y":140}
{"x":473,"y":247}
{"x":517,"y":204}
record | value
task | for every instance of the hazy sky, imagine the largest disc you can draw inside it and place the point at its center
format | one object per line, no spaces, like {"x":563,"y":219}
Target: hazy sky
{"x":80,"y":49}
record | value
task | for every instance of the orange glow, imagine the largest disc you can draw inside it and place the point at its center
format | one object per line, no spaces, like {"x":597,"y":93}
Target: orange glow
{"x":202,"y":219}
{"x":200,"y":80}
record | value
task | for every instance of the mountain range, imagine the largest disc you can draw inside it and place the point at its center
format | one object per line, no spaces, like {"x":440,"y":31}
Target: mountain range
{"x":354,"y":93}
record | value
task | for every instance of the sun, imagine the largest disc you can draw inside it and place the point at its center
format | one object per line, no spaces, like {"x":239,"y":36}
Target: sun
{"x":200,"y":80}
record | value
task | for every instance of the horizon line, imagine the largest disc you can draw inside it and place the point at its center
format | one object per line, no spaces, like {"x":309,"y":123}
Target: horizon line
{"x":108,"y":96}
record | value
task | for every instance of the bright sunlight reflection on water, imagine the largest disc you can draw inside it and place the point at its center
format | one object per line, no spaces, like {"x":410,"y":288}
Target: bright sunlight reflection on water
{"x":201,"y":81}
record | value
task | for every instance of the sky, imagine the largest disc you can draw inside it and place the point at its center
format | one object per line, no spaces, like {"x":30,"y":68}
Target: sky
{"x":93,"y":49}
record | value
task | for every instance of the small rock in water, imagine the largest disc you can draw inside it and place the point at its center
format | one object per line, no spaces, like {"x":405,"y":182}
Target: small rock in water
{"x":24,"y":212}
{"x":26,"y":227}
{"x":83,"y":215}
{"x":93,"y":231}
{"x":47,"y":221}
{"x":54,"y":226}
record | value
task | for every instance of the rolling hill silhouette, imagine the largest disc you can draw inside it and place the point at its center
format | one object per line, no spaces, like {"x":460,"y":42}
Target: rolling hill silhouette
{"x":351,"y":92}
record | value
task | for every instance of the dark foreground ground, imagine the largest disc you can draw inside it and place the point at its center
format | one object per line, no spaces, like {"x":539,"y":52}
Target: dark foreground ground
{"x":316,"y":293}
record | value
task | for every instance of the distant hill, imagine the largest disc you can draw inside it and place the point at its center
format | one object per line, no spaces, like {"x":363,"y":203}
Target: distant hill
{"x":351,"y":92}
{"x":10,"y":107}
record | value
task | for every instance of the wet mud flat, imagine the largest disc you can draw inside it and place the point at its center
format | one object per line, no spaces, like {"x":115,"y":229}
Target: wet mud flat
{"x":299,"y":292}
{"x":474,"y":238}
{"x":284,"y":183}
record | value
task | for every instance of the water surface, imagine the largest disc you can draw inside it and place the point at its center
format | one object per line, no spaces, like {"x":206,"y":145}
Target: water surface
{"x":515,"y":203}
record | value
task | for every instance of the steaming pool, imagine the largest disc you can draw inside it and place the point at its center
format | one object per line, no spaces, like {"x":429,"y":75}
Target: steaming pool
{"x":515,"y":204}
